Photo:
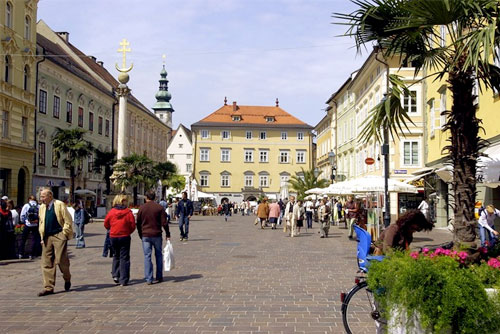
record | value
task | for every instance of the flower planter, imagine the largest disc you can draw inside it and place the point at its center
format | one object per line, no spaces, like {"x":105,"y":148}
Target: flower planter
{"x":400,"y":323}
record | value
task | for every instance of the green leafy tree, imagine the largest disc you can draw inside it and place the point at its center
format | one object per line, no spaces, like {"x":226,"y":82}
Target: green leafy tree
{"x":106,"y":160}
{"x":72,"y":145}
{"x":307,"y":180}
{"x":407,"y":29}
{"x":177,"y":183}
{"x":133,"y":170}
{"x":165,"y":171}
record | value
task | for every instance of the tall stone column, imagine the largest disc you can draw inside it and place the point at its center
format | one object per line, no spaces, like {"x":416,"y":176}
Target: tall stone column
{"x":123,"y":91}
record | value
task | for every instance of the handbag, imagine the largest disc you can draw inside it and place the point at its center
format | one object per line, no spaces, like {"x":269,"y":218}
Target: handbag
{"x":168,"y":257}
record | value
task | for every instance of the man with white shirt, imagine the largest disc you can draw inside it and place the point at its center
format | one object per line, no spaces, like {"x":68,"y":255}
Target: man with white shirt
{"x":309,"y":205}
{"x":30,"y":219}
{"x":56,"y":228}
{"x":487,"y":222}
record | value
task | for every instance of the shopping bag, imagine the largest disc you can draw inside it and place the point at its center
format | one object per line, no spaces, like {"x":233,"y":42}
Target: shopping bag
{"x":168,"y":257}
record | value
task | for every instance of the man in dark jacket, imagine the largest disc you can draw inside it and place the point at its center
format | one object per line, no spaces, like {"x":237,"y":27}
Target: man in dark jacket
{"x":184,"y":212}
{"x":150,"y":219}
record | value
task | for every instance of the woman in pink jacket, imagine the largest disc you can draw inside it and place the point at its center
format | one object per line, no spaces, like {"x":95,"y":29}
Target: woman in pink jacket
{"x":274,"y":213}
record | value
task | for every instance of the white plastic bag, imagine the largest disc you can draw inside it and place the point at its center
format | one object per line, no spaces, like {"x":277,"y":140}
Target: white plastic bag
{"x":168,"y":257}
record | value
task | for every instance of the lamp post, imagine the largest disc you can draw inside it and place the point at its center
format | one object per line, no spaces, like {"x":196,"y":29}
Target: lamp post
{"x":331,"y":159}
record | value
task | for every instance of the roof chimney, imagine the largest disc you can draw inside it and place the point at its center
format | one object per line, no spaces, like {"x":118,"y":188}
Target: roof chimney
{"x":101,"y":63}
{"x":64,"y":35}
{"x":225,"y":100}
{"x":235,"y":107}
{"x":277,"y":102}
{"x":93,"y":58}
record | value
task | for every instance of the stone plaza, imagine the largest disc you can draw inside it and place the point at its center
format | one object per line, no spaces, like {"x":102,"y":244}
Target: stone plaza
{"x":231,"y":277}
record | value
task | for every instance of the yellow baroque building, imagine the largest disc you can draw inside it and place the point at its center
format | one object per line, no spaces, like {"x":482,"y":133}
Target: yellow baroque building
{"x":243,"y":152}
{"x":17,"y":99}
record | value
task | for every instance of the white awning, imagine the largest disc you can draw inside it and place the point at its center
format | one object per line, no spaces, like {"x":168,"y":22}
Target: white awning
{"x":85,"y":192}
{"x":419,"y":176}
{"x":423,"y":171}
{"x":488,"y":167}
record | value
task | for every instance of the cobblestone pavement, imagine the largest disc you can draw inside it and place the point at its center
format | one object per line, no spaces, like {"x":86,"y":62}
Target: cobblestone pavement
{"x":231,"y":277}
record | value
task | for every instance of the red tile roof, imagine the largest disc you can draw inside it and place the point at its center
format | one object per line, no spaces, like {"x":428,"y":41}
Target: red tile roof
{"x":251,"y":115}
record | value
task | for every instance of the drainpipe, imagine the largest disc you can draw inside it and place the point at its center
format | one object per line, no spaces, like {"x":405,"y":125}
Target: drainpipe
{"x":336,"y":143}
{"x":36,"y":112}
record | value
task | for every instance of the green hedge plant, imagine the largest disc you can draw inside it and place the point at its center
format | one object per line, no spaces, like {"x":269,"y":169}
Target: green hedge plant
{"x":446,"y":292}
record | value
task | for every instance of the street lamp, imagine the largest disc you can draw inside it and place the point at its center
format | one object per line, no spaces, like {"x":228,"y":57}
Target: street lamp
{"x":331,"y":159}
{"x":316,"y":172}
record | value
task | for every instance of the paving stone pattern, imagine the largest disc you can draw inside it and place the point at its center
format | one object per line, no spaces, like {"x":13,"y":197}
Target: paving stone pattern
{"x":231,"y":277}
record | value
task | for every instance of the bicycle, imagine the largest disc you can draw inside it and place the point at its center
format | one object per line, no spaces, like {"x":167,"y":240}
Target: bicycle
{"x":360,"y":312}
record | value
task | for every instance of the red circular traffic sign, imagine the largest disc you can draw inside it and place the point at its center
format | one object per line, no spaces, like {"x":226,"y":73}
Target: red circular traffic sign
{"x":369,"y":161}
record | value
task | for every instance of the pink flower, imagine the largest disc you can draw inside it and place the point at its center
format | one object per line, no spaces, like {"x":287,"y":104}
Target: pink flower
{"x":494,"y":263}
{"x":439,"y":251}
{"x":425,"y":250}
{"x":463,"y":255}
{"x":414,"y":255}
{"x":483,"y":250}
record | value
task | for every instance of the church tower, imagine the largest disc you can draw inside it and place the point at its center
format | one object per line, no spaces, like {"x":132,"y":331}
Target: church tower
{"x":162,"y":108}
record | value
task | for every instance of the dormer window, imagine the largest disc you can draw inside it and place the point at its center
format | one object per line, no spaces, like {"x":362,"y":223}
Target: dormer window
{"x":270,"y":119}
{"x":236,"y":118}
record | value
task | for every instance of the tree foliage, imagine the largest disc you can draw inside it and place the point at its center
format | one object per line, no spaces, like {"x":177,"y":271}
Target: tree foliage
{"x":304,"y":181}
{"x":72,"y":145}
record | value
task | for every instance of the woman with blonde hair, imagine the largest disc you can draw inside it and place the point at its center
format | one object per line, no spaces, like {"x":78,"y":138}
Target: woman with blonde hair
{"x":121,"y":223}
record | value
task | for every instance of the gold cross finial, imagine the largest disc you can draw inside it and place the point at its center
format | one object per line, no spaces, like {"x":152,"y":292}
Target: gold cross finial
{"x":124,"y":50}
{"x":124,"y":43}
{"x":164,"y":56}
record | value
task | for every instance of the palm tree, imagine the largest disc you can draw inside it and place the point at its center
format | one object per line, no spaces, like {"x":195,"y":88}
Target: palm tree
{"x":405,"y":28}
{"x":107,"y":160}
{"x":133,"y":170}
{"x":177,"y":183}
{"x":165,"y":171}
{"x":72,"y":144}
{"x":307,"y":180}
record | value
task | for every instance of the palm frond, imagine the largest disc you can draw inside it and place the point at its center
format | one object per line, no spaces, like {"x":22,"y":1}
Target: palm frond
{"x":388,"y":114}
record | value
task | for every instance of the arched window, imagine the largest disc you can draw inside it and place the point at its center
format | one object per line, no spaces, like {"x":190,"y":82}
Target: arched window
{"x":8,"y":15}
{"x":27,"y":27}
{"x":7,"y":69}
{"x":26,"y":84}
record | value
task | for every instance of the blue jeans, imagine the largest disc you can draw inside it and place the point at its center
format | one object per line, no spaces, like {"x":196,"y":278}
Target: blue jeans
{"x":107,"y":247}
{"x":486,"y":235}
{"x":309,"y":217}
{"x":148,"y":243}
{"x":80,"y":240}
{"x":184,"y":226}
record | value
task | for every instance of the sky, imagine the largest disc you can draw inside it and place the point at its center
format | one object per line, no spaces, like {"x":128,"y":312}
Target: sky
{"x":252,"y":51}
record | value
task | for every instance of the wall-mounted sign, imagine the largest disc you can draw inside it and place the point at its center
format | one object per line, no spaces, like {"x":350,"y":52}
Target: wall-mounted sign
{"x":369,"y":161}
{"x":400,"y":171}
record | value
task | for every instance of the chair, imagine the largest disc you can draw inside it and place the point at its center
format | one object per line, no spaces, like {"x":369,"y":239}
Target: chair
{"x":364,"y":241}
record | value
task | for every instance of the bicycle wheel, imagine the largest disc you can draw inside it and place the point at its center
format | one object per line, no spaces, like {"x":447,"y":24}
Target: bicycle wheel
{"x":359,"y":311}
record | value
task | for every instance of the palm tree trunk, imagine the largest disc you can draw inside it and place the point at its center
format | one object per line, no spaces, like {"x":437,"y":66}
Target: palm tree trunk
{"x":465,"y":143}
{"x":135,"y":195}
{"x":163,"y":191}
{"x":107,"y":175}
{"x":72,"y":184}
